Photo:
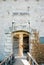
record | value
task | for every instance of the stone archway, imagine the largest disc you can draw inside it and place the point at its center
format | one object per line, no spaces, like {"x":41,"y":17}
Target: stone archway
{"x":21,"y":37}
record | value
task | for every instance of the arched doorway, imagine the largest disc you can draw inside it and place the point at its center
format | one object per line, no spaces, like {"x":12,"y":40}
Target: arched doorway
{"x":20,"y":43}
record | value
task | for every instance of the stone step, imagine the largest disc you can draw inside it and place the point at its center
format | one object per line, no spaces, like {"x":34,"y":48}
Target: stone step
{"x":21,"y":62}
{"x":25,"y":62}
{"x":18,"y":62}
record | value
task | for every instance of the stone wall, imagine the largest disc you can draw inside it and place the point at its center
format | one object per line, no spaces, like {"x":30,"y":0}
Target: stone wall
{"x":37,"y":51}
{"x":41,"y":54}
{"x":8,"y":45}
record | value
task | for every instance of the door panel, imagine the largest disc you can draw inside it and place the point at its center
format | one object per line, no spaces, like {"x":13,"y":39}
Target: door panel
{"x":15,"y":46}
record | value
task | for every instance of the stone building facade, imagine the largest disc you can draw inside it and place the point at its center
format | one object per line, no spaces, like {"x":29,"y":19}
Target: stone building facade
{"x":13,"y":12}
